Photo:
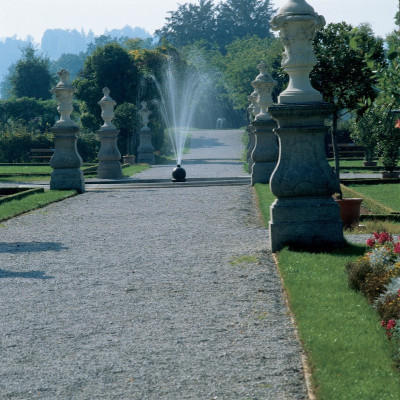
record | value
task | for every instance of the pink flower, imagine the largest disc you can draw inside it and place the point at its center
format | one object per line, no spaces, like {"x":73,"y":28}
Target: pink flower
{"x":385,"y":237}
{"x":391,"y":324}
{"x":396,"y":248}
{"x":371,"y":242}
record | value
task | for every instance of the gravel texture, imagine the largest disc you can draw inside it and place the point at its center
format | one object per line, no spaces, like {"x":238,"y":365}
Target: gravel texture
{"x":146,"y":294}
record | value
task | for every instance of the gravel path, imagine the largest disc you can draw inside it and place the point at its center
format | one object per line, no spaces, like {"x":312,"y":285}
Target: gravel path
{"x":146,"y":294}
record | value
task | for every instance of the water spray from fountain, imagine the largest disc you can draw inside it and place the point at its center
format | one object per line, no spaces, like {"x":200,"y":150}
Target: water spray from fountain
{"x":180,"y":91}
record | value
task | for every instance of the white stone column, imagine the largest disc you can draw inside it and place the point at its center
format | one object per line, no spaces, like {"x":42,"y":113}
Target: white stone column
{"x":266,"y":151}
{"x":109,"y":155}
{"x":66,"y":162}
{"x":304,"y":213}
{"x":145,"y":149}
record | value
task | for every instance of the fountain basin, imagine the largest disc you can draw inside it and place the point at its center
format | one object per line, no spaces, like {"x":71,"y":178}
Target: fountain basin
{"x":178,"y":174}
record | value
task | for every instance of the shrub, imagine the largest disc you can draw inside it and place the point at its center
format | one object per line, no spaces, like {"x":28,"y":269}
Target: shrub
{"x":357,"y":273}
{"x":88,"y":146}
{"x":16,"y":140}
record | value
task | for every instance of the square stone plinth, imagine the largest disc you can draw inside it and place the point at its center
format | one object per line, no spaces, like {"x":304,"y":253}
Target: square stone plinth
{"x":67,"y":179}
{"x":313,"y":221}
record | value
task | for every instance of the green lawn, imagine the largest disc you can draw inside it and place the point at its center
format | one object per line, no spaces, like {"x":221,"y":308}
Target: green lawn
{"x":32,"y":202}
{"x":348,"y":352}
{"x":25,"y":169}
{"x":387,"y":194}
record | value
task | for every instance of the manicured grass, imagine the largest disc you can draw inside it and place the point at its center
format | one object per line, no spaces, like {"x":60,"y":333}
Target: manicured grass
{"x":348,"y":351}
{"x":16,"y":207}
{"x":134,"y":169}
{"x":353,"y":163}
{"x":29,"y":169}
{"x":265,"y":199}
{"x":387,"y":194}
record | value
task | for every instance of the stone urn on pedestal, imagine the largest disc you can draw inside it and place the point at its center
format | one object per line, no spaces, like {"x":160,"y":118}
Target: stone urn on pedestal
{"x":266,"y":151}
{"x":145,"y":149}
{"x":66,"y":161}
{"x":304,"y":213}
{"x":253,"y":110}
{"x":109,"y":155}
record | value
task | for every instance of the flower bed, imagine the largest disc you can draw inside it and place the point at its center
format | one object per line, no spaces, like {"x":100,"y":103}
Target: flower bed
{"x":377,"y":276}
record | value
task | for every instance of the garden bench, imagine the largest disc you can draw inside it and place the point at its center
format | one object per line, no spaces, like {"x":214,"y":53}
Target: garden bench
{"x":41,"y":154}
{"x":347,"y":150}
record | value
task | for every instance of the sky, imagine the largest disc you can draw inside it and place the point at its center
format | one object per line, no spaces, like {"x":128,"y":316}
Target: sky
{"x":33,"y":17}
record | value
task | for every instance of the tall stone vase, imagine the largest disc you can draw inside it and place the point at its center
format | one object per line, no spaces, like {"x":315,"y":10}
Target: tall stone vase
{"x":266,"y":151}
{"x":250,"y":146}
{"x":145,"y":149}
{"x":66,"y":161}
{"x":304,"y":213}
{"x":109,"y":155}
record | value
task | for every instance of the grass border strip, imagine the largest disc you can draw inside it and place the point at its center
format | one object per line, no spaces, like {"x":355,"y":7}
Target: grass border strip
{"x":304,"y":357}
{"x":39,"y":206}
{"x":21,"y":195}
{"x":368,"y":202}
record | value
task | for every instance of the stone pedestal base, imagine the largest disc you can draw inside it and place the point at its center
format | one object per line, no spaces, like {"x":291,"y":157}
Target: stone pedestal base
{"x":109,"y":170}
{"x":261,"y":172}
{"x":266,"y":151}
{"x":67,"y":179}
{"x":313,"y":221}
{"x":146,"y":158}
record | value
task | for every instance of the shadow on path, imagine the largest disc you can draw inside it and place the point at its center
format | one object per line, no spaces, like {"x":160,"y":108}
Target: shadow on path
{"x":201,"y":142}
{"x":26,"y":275}
{"x":30,"y":247}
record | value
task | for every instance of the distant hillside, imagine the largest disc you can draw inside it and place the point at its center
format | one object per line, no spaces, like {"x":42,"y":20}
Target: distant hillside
{"x":56,"y":42}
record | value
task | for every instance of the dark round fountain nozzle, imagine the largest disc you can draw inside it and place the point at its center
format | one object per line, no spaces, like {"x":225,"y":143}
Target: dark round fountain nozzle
{"x":178,"y":174}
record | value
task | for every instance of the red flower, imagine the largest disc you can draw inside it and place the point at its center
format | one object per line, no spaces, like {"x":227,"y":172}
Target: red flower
{"x":383,"y":323}
{"x":391,"y":324}
{"x":371,"y":242}
{"x":377,"y":235}
{"x":385,"y":237}
{"x":397,"y":125}
{"x":396,"y":248}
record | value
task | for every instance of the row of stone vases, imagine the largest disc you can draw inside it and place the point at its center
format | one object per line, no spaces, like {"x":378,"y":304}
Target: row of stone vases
{"x":66,"y":161}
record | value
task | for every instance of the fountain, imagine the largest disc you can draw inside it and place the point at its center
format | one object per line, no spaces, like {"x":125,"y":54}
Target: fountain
{"x":179,"y":91}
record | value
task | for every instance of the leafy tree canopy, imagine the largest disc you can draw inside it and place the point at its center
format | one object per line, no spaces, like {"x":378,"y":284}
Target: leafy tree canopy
{"x":31,"y":76}
{"x":109,"y":66}
{"x":346,"y":60}
{"x":221,"y":24}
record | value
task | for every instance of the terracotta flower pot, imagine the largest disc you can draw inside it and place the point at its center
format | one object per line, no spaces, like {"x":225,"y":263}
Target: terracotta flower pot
{"x":349,"y":211}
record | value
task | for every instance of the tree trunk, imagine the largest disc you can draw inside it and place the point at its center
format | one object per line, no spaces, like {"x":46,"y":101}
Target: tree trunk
{"x":334,"y":142}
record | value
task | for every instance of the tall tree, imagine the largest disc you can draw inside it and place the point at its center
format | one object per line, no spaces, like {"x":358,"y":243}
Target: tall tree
{"x":239,"y":18}
{"x":189,"y":23}
{"x":345,"y":69}
{"x":31,"y":76}
{"x":222,"y":24}
{"x":109,"y":66}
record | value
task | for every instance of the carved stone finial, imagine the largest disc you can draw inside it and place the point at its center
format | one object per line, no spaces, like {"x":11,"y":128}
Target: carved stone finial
{"x":297,"y":23}
{"x":263,"y":84}
{"x":107,"y":105}
{"x":144,"y":113}
{"x":64,"y":93}
{"x":254,"y":108}
{"x":64,"y":77}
